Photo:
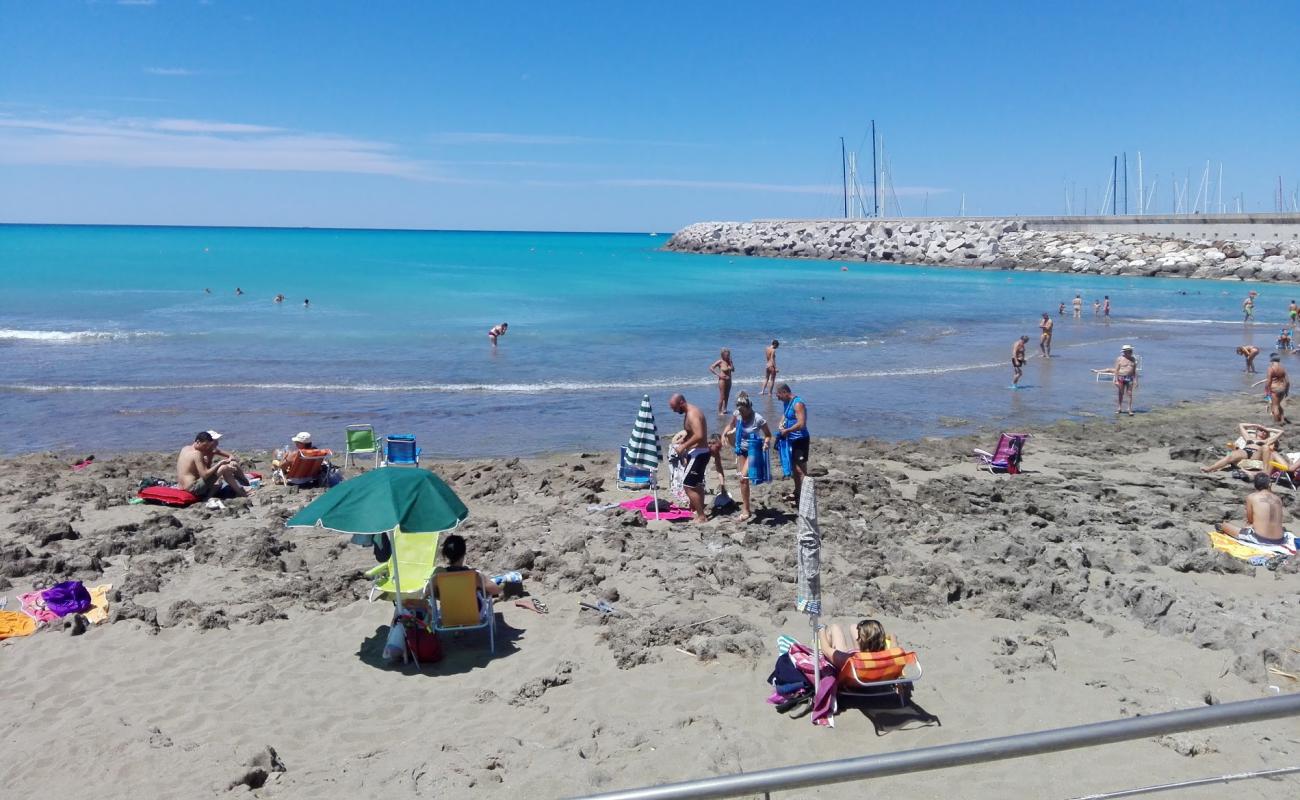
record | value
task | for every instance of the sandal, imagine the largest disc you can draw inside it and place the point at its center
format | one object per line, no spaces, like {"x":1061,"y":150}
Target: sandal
{"x":533,"y":604}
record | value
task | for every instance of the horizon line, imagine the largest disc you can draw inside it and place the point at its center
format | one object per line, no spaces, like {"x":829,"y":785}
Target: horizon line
{"x":313,"y":228}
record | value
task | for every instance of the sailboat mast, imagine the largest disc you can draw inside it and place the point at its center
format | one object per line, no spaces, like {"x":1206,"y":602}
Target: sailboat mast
{"x":875,"y":175}
{"x":1141,"y":195}
{"x":844,"y":176}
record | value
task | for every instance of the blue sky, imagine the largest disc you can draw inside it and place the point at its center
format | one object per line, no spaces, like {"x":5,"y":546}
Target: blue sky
{"x":623,"y":116}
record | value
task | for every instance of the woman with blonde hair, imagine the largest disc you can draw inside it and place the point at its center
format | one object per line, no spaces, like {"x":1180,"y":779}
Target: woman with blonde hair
{"x":838,"y":645}
{"x":751,"y":439}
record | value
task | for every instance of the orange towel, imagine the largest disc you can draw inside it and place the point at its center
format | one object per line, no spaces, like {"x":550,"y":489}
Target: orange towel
{"x":98,"y":603}
{"x":15,"y":623}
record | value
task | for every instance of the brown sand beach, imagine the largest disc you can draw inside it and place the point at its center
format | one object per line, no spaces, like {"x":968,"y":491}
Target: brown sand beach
{"x":1081,"y":590}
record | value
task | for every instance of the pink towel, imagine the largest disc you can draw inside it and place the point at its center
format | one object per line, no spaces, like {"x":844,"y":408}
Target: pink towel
{"x":33,"y":605}
{"x":643,"y":505}
{"x":824,"y":705}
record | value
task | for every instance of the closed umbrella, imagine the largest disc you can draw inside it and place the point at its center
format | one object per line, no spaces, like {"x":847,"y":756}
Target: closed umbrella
{"x":808,"y":544}
{"x":389,"y":499}
{"x":643,"y":450}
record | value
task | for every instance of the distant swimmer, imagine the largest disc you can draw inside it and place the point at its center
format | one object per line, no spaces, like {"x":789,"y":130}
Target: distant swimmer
{"x":306,"y":303}
{"x":1105,"y":306}
{"x":496,"y":332}
{"x":1061,"y":310}
{"x":722,"y":369}
{"x":279,"y":298}
{"x":1125,"y":378}
{"x":1018,"y":361}
{"x":770,"y":370}
{"x":1078,"y":306}
{"x":238,"y":291}
{"x":1045,"y":338}
{"x":207,"y":291}
{"x":1249,"y":351}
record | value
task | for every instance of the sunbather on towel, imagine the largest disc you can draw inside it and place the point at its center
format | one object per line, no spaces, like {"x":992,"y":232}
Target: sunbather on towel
{"x":198,"y":474}
{"x":1263,"y":516}
{"x":1249,"y":454}
{"x":838,"y":645}
{"x":453,"y":549}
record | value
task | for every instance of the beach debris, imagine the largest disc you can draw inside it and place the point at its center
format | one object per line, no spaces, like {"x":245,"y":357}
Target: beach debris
{"x":603,"y":607}
{"x":258,"y":768}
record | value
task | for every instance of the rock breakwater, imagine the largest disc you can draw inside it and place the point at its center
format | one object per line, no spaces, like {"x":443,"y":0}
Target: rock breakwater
{"x":1010,"y":244}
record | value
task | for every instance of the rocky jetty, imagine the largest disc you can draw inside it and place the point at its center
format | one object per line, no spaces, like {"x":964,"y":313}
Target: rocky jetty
{"x":995,"y":244}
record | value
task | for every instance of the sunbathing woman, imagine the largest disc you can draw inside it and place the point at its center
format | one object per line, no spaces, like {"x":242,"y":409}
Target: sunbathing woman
{"x":1248,"y":453}
{"x":453,"y":549}
{"x":838,"y":645}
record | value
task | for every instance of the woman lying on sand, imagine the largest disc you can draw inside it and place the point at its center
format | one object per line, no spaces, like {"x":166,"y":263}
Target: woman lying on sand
{"x":1249,"y":453}
{"x":838,"y":646}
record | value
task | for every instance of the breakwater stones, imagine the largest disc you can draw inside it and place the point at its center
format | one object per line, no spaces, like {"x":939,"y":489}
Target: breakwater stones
{"x":1009,"y":244}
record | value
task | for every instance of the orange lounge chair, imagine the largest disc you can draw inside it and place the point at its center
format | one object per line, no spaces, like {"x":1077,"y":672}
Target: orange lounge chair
{"x":879,"y":674}
{"x":458,"y":605}
{"x":303,"y":467}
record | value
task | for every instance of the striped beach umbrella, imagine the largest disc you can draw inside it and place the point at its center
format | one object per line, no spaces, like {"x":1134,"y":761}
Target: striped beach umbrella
{"x":643,"y":447}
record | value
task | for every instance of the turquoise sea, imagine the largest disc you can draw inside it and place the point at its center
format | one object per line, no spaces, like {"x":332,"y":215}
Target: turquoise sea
{"x":109,"y":342}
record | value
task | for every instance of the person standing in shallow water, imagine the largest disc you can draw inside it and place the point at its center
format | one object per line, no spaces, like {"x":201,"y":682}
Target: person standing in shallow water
{"x":1045,"y":338}
{"x":770,"y":370}
{"x":1018,"y":361}
{"x":1125,"y":378}
{"x":1105,"y":306}
{"x":722,"y":369}
{"x":1249,"y":351}
{"x":1078,"y":306}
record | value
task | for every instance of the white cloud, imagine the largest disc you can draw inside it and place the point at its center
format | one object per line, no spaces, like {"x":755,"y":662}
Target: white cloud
{"x":499,"y":137}
{"x":198,"y":144}
{"x":744,"y":186}
{"x":170,"y":72}
{"x":136,"y":2}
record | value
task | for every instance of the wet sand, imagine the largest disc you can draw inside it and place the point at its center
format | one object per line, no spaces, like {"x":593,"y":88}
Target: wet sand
{"x":1082,"y":590}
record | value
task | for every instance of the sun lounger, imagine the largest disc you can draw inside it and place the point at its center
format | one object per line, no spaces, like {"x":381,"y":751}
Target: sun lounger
{"x":1006,"y":456}
{"x":880,"y":674}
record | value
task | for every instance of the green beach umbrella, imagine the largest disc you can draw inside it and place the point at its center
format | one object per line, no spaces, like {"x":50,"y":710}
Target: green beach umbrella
{"x":383,"y":500}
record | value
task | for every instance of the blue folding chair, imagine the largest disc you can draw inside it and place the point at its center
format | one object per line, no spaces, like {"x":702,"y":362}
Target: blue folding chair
{"x":400,"y":450}
{"x":630,"y":477}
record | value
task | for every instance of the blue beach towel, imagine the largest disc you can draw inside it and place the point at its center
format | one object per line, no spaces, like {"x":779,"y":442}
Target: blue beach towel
{"x":783,"y":452}
{"x":760,"y":468}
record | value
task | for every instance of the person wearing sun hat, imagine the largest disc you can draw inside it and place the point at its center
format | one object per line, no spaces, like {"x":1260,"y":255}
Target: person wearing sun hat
{"x":301,"y":441}
{"x":1125,"y":378}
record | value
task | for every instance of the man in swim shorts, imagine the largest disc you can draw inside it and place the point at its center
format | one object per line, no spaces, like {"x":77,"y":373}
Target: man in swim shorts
{"x":794,"y":429}
{"x":769,"y":371}
{"x":1279,"y":386}
{"x":1078,"y":306}
{"x":1018,"y":360}
{"x":496,"y":332}
{"x":1045,"y":338}
{"x":1125,"y":378}
{"x":695,"y":448}
{"x":1293,"y":311}
{"x":198,"y":474}
{"x":1264,"y":515}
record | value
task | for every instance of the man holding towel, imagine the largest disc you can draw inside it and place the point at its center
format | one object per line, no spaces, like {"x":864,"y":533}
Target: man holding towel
{"x":793,"y":438}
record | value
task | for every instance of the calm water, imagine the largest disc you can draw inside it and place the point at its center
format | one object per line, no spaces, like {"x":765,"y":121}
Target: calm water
{"x":109,"y":342}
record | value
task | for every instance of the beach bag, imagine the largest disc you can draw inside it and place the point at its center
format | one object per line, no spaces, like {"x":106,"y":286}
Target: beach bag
{"x":331,"y":476}
{"x":395,"y":644}
{"x":69,"y":597}
{"x":167,"y":496}
{"x":424,"y":643}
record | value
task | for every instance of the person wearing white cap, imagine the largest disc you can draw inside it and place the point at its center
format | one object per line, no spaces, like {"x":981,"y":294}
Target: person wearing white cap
{"x":1125,"y":378}
{"x":301,"y":441}
{"x":199,"y":474}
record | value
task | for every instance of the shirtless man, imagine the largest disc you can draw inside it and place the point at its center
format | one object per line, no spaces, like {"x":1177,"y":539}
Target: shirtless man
{"x":1279,"y":386}
{"x":769,"y":374}
{"x":1249,"y":351}
{"x":695,"y":449}
{"x":1263,"y":516}
{"x":1125,"y":378}
{"x":1045,"y":338}
{"x":1293,"y":313}
{"x":1018,"y":361}
{"x":199,"y":475}
{"x":1078,"y":306}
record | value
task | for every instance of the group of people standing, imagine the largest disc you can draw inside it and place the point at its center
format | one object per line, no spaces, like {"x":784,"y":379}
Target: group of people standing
{"x":747,"y":433}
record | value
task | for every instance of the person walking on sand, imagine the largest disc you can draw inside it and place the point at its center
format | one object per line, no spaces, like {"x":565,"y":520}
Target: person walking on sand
{"x":1018,"y":361}
{"x":1125,"y":378}
{"x":694,"y":448}
{"x":1045,"y":338}
{"x":1264,"y":515}
{"x":1279,"y":386}
{"x":1078,"y":306}
{"x":497,"y":331}
{"x":722,"y":369}
{"x":793,"y":434}
{"x":1249,"y":351}
{"x":751,"y":438}
{"x":770,"y":370}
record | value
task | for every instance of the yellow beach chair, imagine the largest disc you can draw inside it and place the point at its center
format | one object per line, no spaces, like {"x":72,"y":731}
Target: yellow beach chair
{"x":458,"y":608}
{"x":417,"y":554}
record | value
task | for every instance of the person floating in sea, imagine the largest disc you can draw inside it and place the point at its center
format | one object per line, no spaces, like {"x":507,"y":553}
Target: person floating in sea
{"x":279,"y":298}
{"x":1279,"y":386}
{"x":1078,"y":306}
{"x":1105,"y":306}
{"x":722,"y":369}
{"x":694,"y":448}
{"x":306,"y":303}
{"x":1018,"y":361}
{"x":238,"y":291}
{"x":497,"y":331}
{"x":1045,"y":338}
{"x":769,"y":371}
{"x":793,"y":434}
{"x":1249,"y":351}
{"x":207,"y":290}
{"x":1125,"y":378}
{"x":1264,"y":515}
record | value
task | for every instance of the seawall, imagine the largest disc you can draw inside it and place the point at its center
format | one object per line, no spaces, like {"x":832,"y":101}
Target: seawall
{"x":1226,"y":247}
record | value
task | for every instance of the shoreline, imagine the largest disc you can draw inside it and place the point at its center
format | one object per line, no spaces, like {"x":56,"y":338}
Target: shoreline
{"x":1081,"y":590}
{"x":996,"y":244}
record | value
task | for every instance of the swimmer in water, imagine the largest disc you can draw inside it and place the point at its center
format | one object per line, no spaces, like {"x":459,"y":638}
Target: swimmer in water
{"x":279,"y":298}
{"x":306,"y":303}
{"x":238,"y":291}
{"x":496,"y":332}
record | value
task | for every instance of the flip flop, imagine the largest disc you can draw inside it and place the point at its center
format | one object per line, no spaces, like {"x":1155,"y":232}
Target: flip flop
{"x":533,"y":605}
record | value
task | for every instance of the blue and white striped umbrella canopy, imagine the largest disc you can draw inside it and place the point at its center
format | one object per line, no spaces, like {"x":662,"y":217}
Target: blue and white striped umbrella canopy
{"x":643,"y":448}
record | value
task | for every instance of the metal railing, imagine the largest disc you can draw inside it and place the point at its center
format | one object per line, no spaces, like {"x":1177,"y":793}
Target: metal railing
{"x":976,"y":752}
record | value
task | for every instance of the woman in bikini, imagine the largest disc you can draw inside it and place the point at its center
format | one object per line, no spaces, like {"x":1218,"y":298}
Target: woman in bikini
{"x":723,"y":368}
{"x":1250,"y":453}
{"x":838,"y":644}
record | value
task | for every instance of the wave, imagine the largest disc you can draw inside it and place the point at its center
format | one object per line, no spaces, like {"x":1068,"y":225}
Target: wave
{"x":72,"y":336}
{"x":485,"y":388}
{"x":1193,"y":321}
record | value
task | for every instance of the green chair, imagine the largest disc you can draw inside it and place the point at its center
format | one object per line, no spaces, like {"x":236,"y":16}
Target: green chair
{"x":361,"y":441}
{"x":416,"y":555}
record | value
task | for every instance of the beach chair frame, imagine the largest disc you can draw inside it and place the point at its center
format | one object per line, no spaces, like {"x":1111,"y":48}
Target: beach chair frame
{"x":848,"y":683}
{"x":1006,"y":457}
{"x":463,"y":584}
{"x":349,"y":453}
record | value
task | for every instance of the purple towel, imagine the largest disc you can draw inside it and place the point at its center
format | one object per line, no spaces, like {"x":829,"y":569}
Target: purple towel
{"x":69,"y":597}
